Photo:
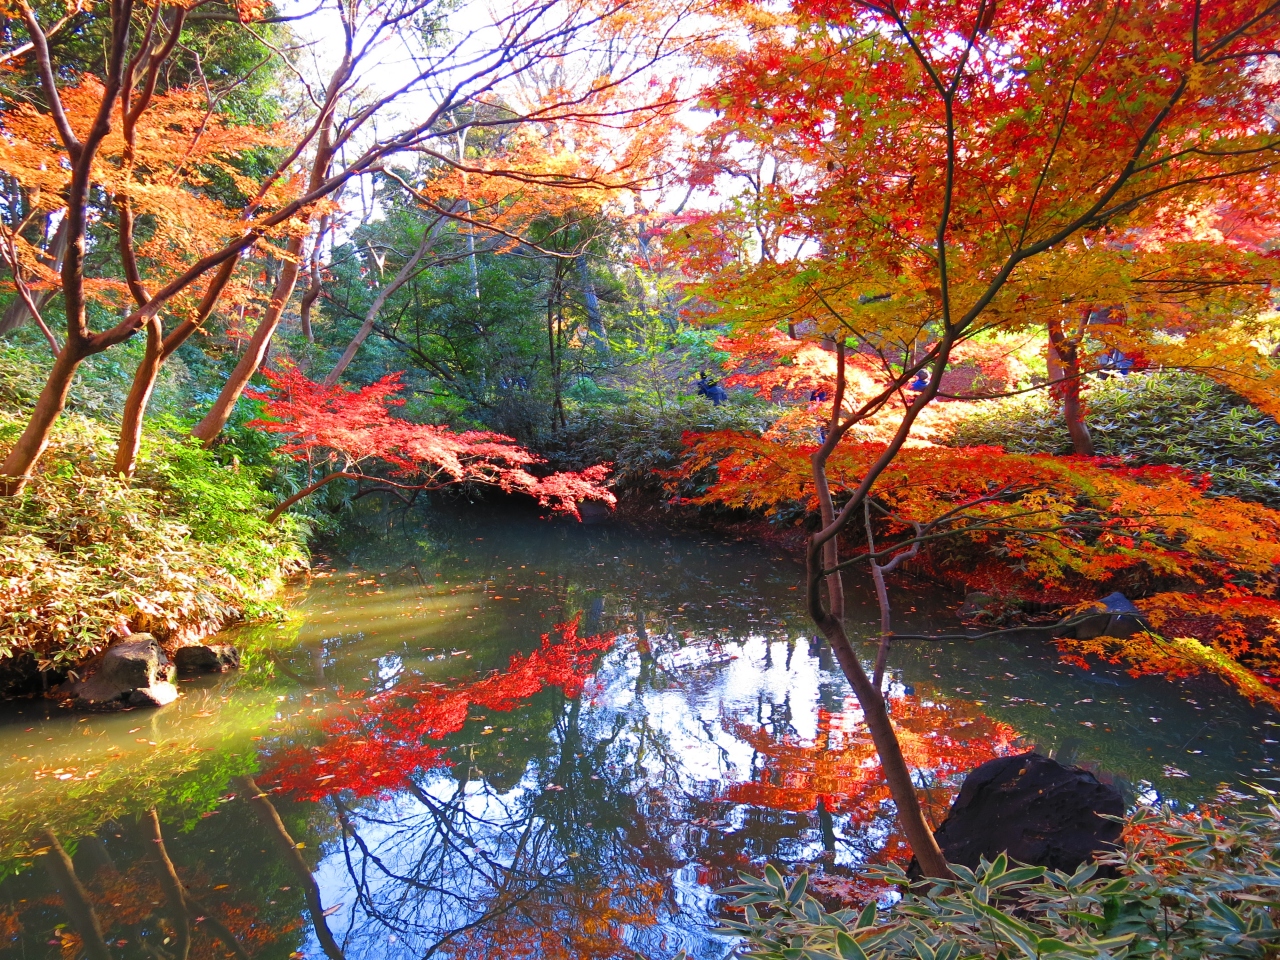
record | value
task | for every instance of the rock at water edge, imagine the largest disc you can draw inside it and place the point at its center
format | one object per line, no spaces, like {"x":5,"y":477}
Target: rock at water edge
{"x":135,"y":663}
{"x":214,"y":658}
{"x":1034,"y":809}
{"x":1116,"y":617}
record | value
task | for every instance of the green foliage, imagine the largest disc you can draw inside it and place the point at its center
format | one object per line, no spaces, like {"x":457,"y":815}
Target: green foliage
{"x":1184,"y":886}
{"x":644,"y":440}
{"x":100,"y":386}
{"x":182,"y":551}
{"x":1155,"y":418}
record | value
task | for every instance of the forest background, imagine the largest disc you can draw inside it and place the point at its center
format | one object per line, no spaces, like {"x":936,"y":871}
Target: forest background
{"x":729,"y":263}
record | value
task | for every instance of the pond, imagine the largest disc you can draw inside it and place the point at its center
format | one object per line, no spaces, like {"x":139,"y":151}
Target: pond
{"x":406,"y":768}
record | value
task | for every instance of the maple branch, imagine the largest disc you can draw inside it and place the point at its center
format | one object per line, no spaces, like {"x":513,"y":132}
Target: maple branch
{"x":345,"y":475}
{"x":1048,"y":532}
{"x":1013,"y":393}
{"x":49,"y":32}
{"x":10,"y":252}
{"x":1003,"y":632}
{"x":44,"y":65}
{"x":1232,"y":35}
{"x":1068,"y":100}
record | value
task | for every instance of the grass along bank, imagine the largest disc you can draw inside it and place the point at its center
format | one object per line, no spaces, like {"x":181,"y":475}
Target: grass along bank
{"x":180,"y":552}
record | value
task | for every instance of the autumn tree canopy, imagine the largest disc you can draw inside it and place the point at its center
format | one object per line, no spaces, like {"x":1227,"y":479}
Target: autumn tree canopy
{"x":947,"y":172}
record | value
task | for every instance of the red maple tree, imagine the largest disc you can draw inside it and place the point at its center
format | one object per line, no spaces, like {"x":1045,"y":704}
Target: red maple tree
{"x":348,"y":430}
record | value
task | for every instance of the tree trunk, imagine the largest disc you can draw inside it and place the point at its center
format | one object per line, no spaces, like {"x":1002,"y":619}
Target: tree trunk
{"x":174,"y":893}
{"x":407,"y":272}
{"x":207,"y":430}
{"x":896,"y":772}
{"x":1063,"y":362}
{"x":16,"y":469}
{"x":289,"y":850}
{"x":822,"y":556}
{"x":595,"y":320}
{"x":313,"y":282}
{"x":135,"y":405}
{"x":155,"y":356}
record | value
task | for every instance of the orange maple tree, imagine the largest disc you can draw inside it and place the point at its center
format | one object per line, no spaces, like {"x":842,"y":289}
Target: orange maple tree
{"x":961,"y":169}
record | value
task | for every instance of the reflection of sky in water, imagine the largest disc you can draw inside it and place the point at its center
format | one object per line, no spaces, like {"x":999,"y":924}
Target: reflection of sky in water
{"x":570,"y":828}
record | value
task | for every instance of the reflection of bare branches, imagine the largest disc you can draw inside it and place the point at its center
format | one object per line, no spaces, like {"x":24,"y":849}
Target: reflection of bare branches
{"x":74,"y":898}
{"x":270,"y":819}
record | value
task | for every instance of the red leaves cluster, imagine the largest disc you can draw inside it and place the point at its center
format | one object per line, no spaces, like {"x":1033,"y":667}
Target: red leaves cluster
{"x":383,"y":741}
{"x":350,"y":428}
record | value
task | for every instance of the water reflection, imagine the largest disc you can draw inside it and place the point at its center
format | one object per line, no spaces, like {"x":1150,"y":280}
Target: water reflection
{"x":407,"y":768}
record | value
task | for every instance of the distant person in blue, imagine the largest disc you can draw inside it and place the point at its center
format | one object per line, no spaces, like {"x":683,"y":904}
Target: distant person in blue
{"x":920,"y":382}
{"x":1113,"y":363}
{"x":711,"y":389}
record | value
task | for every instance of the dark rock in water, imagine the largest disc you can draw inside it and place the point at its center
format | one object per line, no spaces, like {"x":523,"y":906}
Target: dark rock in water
{"x":1034,"y":809}
{"x":135,"y":665}
{"x":214,"y":658}
{"x":1116,"y":617}
{"x":976,"y":603}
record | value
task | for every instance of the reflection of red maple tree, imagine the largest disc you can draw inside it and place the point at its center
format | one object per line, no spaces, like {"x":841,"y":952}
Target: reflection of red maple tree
{"x":377,"y":746}
{"x":840,"y":768}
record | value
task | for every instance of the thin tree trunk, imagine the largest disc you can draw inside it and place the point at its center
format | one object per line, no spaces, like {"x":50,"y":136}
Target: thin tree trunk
{"x":1063,"y":364}
{"x":75,"y":899}
{"x":144,"y":378}
{"x":595,"y":320}
{"x":16,"y":469}
{"x":823,"y":555}
{"x":313,"y":281}
{"x":554,"y":300}
{"x":407,"y":272}
{"x":207,"y":430}
{"x":289,"y":850}
{"x":16,"y":314}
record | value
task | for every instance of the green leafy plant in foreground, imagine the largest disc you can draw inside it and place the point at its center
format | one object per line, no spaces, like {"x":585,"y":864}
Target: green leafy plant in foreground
{"x":1183,"y":886}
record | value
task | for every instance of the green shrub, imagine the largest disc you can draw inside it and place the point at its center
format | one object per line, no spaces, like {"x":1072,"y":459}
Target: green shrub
{"x":1185,"y":886}
{"x":101,"y":383}
{"x":1153,"y":418}
{"x":644,"y":440}
{"x":180,"y":552}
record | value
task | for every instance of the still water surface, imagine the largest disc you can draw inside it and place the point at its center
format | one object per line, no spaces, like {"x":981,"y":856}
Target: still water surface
{"x":405,"y":768}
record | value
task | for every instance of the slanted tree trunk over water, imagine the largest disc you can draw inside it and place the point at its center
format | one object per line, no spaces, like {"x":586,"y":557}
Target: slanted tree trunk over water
{"x":823,"y":566}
